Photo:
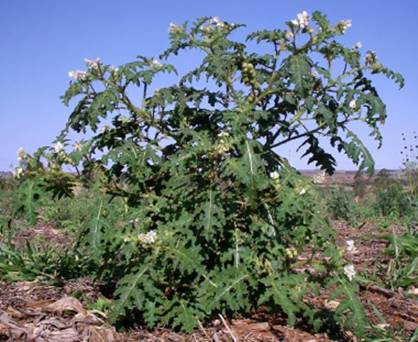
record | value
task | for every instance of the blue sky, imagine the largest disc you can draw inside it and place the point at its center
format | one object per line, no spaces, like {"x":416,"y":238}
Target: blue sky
{"x":40,"y":41}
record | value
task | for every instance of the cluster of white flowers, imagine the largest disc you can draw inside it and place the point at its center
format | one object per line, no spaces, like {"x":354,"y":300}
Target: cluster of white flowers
{"x":350,"y":271}
{"x":23,"y":163}
{"x":353,"y":104}
{"x":274,"y":175}
{"x":370,"y":58}
{"x":21,"y":154}
{"x":93,"y":64}
{"x":77,"y":146}
{"x":148,"y":238}
{"x":358,"y":45}
{"x":174,"y":28}
{"x":58,"y":147}
{"x":302,"y":20}
{"x":217,"y":22}
{"x":133,"y":222}
{"x":18,"y":172}
{"x":113,"y":69}
{"x":77,"y":75}
{"x":156,"y":64}
{"x":345,"y":25}
{"x":289,"y":35}
{"x":349,"y":246}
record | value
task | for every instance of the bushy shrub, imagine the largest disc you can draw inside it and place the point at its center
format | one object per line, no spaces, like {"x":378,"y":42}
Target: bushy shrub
{"x":341,"y":204}
{"x":393,"y":201}
{"x":213,"y":218}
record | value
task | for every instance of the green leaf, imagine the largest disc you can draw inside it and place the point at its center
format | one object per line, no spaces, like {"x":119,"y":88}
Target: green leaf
{"x":358,"y":152}
{"x":299,"y":70}
{"x":318,"y":155}
{"x":285,"y":291}
{"x":29,"y":198}
{"x":132,"y":291}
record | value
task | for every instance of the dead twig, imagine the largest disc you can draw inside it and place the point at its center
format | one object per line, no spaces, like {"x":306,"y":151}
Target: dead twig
{"x":373,"y":288}
{"x":227,"y":328}
{"x":203,"y":330}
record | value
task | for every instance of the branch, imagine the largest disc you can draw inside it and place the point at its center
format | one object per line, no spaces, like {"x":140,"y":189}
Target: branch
{"x":298,"y":136}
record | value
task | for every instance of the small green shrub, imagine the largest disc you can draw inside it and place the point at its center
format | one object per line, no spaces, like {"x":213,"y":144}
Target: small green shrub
{"x":71,"y":213}
{"x":342,"y":205}
{"x":393,"y":200}
{"x":31,"y":262}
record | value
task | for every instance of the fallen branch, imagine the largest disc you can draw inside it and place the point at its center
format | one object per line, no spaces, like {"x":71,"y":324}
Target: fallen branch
{"x":373,"y":288}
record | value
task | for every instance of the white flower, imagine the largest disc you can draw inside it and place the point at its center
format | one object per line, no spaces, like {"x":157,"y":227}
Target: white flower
{"x":352,"y":104}
{"x":77,"y":75}
{"x":314,"y":73}
{"x":173,"y":28}
{"x":349,"y":246}
{"x":58,"y":147}
{"x":21,"y":154}
{"x":358,"y":45}
{"x":217,"y":22}
{"x":302,"y":20}
{"x":18,"y":172}
{"x":133,"y":222}
{"x":148,"y":238}
{"x":345,"y":24}
{"x":370,"y":58}
{"x":223,"y":134}
{"x":77,"y":146}
{"x":104,"y":129}
{"x":302,"y":191}
{"x":93,"y":64}
{"x":349,"y":271}
{"x":274,"y":175}
{"x":156,"y":64}
{"x":289,"y":35}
